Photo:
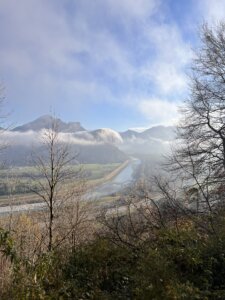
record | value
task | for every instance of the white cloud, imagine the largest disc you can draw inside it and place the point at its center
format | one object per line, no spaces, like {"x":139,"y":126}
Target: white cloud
{"x":138,"y":129}
{"x":168,"y":77}
{"x":19,"y":138}
{"x":35,"y":138}
{"x":172,"y":56}
{"x":40,"y":34}
{"x":51,"y":52}
{"x":32,"y":138}
{"x":159,"y":111}
{"x":133,"y":8}
{"x":213,"y":11}
{"x":43,"y":47}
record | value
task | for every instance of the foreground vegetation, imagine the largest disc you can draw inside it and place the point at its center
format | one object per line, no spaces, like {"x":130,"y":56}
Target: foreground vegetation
{"x":129,"y":256}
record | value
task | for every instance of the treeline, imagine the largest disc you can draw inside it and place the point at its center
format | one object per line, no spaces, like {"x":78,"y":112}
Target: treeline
{"x":169,"y":252}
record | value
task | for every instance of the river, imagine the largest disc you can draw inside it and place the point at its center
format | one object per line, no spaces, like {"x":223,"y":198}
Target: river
{"x":118,"y":183}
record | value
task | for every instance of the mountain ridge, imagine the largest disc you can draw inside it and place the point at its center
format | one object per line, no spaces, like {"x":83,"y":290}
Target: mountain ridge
{"x":103,"y":145}
{"x":44,"y":122}
{"x":101,"y":134}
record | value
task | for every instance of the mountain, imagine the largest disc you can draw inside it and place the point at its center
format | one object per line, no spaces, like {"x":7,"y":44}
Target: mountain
{"x":97,"y":146}
{"x":21,"y":155}
{"x":102,"y":145}
{"x":99,"y":153}
{"x":44,"y":122}
{"x":165,"y":133}
{"x":72,"y":127}
{"x":129,"y":134}
{"x":105,"y":135}
{"x":154,"y":142}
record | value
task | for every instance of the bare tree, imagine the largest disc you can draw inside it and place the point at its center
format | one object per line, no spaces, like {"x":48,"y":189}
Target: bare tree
{"x":200,"y":157}
{"x":55,"y":173}
{"x":3,"y":120}
{"x":196,"y":185}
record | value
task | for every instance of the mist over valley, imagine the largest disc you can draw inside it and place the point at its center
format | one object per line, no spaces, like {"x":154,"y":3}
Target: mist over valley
{"x":103,"y":145}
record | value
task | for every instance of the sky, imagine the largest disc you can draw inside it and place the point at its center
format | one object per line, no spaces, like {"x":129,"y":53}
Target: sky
{"x":106,"y":63}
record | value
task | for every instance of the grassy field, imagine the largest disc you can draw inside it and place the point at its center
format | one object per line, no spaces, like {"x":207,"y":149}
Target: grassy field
{"x":91,"y":171}
{"x":21,"y":180}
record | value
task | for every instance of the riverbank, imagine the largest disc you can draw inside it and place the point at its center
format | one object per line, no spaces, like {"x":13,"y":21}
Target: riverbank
{"x":123,"y":179}
{"x":108,"y":177}
{"x":31,"y":198}
{"x":107,"y":185}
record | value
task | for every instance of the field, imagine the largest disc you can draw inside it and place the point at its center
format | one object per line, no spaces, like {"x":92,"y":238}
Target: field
{"x":19,"y":182}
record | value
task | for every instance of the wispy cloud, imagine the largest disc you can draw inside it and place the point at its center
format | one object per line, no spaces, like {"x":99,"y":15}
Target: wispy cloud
{"x":32,"y":138}
{"x":172,"y":55}
{"x":159,"y":111}
{"x":76,"y":53}
{"x":212,"y":11}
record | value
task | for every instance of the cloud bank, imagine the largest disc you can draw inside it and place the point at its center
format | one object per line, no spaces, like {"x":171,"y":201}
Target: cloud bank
{"x":74,"y":55}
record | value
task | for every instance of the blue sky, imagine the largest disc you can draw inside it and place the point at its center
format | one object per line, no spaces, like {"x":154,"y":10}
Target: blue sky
{"x":106,"y":63}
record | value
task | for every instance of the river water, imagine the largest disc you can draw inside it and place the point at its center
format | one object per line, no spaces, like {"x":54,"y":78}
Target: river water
{"x":118,"y":183}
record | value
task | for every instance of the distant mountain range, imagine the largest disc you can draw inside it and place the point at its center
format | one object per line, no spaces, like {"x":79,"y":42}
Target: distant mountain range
{"x":44,"y":122}
{"x":165,"y":133}
{"x":107,"y":135}
{"x":102,"y":145}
